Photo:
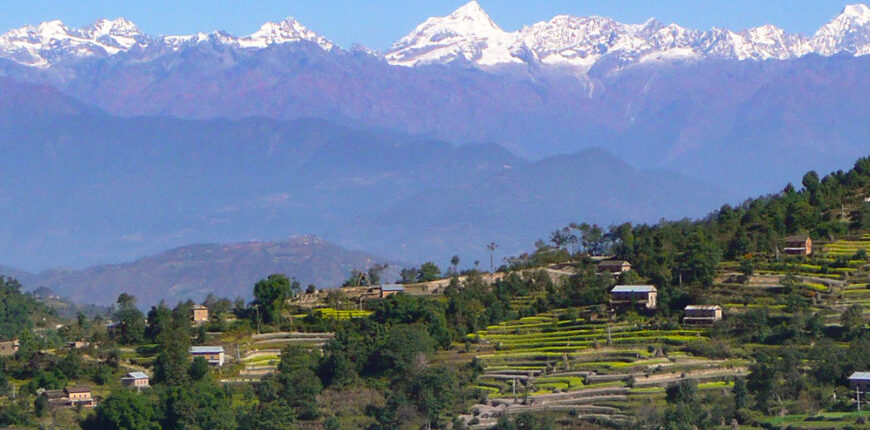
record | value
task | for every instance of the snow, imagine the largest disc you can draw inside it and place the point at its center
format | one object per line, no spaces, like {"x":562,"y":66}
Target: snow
{"x":848,"y":32}
{"x":286,"y":31}
{"x":469,"y":35}
{"x":466,"y":34}
{"x":52,"y":42}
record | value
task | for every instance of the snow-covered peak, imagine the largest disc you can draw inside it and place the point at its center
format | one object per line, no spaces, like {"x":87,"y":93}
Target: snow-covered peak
{"x":759,"y":43}
{"x":858,"y":11}
{"x":467,"y":34}
{"x":52,"y":41}
{"x":286,"y":31}
{"x":847,"y":32}
{"x":176,"y":43}
{"x":474,"y":15}
{"x":116,"y":35}
{"x":52,"y":29}
{"x":113,"y":27}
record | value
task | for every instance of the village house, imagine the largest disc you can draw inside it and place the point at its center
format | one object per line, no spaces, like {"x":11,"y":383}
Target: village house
{"x":199,"y":314}
{"x":642,"y":295}
{"x":860,"y":381}
{"x":136,"y":380}
{"x":213,"y":354}
{"x":392,"y":289}
{"x":56,"y":398}
{"x":798,"y":245}
{"x":9,"y":348}
{"x":615,"y":267}
{"x":69,"y":397}
{"x":80,"y":396}
{"x":77,"y":344}
{"x":702,"y":314}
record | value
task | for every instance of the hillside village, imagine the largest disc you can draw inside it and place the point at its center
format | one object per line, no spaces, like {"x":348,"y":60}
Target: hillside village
{"x":753,"y":317}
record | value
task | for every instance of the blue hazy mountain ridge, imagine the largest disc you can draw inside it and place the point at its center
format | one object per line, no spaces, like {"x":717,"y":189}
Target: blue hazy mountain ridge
{"x":772,"y":119}
{"x":194,"y":271}
{"x":81,"y":187}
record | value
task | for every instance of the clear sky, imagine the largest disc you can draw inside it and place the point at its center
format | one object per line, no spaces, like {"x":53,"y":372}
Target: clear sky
{"x":379,"y":23}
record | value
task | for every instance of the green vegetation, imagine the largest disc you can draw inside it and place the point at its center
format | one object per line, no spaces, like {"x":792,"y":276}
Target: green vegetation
{"x":537,"y":345}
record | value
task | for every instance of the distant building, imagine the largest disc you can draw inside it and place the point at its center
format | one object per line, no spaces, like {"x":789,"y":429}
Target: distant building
{"x":57,"y":398}
{"x":702,"y":314}
{"x":615,"y":267}
{"x":860,"y":381}
{"x":136,"y":380}
{"x":9,"y":347}
{"x":114,"y":328}
{"x":199,"y":313}
{"x":213,"y":354}
{"x":392,"y":289}
{"x":77,"y":344}
{"x":642,"y":295}
{"x":80,"y":396}
{"x":798,"y":245}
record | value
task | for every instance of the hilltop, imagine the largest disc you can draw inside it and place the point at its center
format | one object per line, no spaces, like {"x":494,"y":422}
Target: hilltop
{"x":195,"y":271}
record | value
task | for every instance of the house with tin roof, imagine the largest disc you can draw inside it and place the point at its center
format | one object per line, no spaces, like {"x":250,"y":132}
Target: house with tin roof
{"x":137,"y":380}
{"x":702,"y":314}
{"x":860,"y":381}
{"x":214,"y":355}
{"x":643,"y":296}
{"x":390,"y":290}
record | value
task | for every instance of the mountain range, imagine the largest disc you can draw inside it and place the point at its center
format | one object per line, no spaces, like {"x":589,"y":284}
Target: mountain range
{"x":83,"y":187}
{"x":699,"y":98}
{"x":194,"y":271}
{"x":470,"y":35}
{"x":119,"y":144}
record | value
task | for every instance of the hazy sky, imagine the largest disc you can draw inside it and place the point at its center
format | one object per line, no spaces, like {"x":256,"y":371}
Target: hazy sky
{"x":379,"y":23}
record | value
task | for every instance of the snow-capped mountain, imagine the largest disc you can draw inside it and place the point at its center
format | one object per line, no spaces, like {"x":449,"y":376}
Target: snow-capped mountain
{"x":849,"y":32}
{"x":52,"y":42}
{"x":287,"y":31}
{"x":467,"y":34}
{"x":470,"y":34}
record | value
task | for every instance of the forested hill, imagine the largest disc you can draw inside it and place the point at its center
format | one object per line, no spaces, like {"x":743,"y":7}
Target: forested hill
{"x":688,"y":252}
{"x":18,"y":311}
{"x":194,"y":271}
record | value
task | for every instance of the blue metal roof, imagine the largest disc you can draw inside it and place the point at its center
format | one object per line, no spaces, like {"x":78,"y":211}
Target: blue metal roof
{"x":206,"y":349}
{"x":860,"y":376}
{"x":633,"y":289}
{"x":392,"y":287}
{"x":137,"y":375}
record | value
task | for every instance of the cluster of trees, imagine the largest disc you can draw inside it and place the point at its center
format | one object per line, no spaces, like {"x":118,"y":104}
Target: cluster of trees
{"x":17,"y":310}
{"x":427,"y":272}
{"x":184,"y":394}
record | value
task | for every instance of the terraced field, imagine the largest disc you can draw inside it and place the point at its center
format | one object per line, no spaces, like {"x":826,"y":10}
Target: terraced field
{"x":262,"y":352}
{"x":331,"y":313}
{"x":590,"y":367}
{"x":847,"y":247}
